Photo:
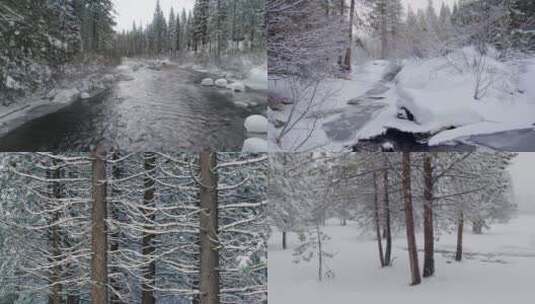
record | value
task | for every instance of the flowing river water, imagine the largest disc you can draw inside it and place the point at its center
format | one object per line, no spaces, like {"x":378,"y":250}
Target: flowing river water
{"x":156,"y":110}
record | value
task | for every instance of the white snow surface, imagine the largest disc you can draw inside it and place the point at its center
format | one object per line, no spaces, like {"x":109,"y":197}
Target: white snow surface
{"x":256,"y":124}
{"x":498,"y":267}
{"x":440,"y":94}
{"x":221,"y":83}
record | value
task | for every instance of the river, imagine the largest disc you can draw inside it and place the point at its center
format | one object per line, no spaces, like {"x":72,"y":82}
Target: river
{"x":156,"y":110}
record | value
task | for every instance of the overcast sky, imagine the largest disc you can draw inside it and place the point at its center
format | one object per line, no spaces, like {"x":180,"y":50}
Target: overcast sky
{"x":523,"y":173}
{"x":129,"y":11}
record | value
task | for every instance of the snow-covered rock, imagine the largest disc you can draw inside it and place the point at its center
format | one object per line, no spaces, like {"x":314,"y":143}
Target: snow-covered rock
{"x":256,"y":124}
{"x":85,"y":95}
{"x":257,"y":78}
{"x":207,"y":82}
{"x":12,"y":83}
{"x":236,"y":87}
{"x":221,"y":83}
{"x":255,"y":145}
{"x":241,"y":104}
{"x":67,"y":96}
{"x":51,"y":94}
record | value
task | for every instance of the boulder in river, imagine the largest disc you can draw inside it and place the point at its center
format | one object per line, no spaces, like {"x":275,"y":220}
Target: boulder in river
{"x":255,"y":145}
{"x":236,"y":87}
{"x":207,"y":82}
{"x":221,"y":83}
{"x":256,"y":124}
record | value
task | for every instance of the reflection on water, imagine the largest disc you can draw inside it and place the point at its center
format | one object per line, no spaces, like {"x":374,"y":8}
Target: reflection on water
{"x":158,"y":110}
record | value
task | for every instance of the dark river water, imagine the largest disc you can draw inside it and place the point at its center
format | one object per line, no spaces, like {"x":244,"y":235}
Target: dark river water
{"x":157,"y":110}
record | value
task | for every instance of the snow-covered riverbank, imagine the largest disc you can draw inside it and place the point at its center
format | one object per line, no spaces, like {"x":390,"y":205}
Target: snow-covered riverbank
{"x":46,"y":101}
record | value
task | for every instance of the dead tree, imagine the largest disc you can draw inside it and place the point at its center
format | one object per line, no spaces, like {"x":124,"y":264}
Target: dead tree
{"x":409,"y":218}
{"x":429,"y":262}
{"x":99,"y":241}
{"x":208,"y":233}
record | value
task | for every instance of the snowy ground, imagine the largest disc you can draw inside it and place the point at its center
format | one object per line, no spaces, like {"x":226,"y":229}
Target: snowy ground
{"x":498,"y":267}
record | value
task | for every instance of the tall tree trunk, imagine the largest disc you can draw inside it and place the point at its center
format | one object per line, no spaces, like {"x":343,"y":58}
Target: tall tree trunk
{"x":409,"y":219}
{"x":377,"y":221}
{"x":460,"y":228}
{"x":209,"y":254}
{"x":477,"y":226}
{"x":219,"y":34}
{"x":149,"y":271}
{"x":429,"y":250}
{"x":284,"y":240}
{"x":347,"y":60}
{"x":384,"y":30}
{"x":388,"y":230}
{"x":99,"y":241}
{"x":116,"y":235}
{"x":320,"y":254}
{"x":55,"y":277}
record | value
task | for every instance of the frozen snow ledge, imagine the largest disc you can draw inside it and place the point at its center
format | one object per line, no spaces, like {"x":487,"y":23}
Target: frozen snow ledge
{"x":44,"y":103}
{"x":440,"y":101}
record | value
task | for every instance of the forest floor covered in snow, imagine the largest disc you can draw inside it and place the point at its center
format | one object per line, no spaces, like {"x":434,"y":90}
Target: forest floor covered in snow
{"x":498,"y":267}
{"x":432,"y":99}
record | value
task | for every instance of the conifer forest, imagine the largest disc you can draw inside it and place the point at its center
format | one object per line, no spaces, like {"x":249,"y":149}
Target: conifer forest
{"x":111,"y":227}
{"x":192,"y":76}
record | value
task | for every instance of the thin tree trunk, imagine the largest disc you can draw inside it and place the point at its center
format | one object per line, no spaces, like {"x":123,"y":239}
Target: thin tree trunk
{"x":347,"y":61}
{"x":55,"y":277}
{"x":115,"y":236}
{"x":320,"y":255}
{"x":384,"y":38}
{"x":429,"y":260}
{"x":377,"y":221}
{"x":477,"y":226}
{"x":209,"y":255}
{"x":388,"y":230}
{"x":99,"y":241}
{"x":460,"y":228}
{"x":149,"y":271}
{"x":219,"y":39}
{"x":409,"y":219}
{"x":284,"y":240}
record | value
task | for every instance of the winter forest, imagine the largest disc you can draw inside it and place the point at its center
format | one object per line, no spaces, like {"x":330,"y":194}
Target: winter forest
{"x":70,"y":77}
{"x":406,"y":227}
{"x":111,"y":227}
{"x":372,"y":75}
